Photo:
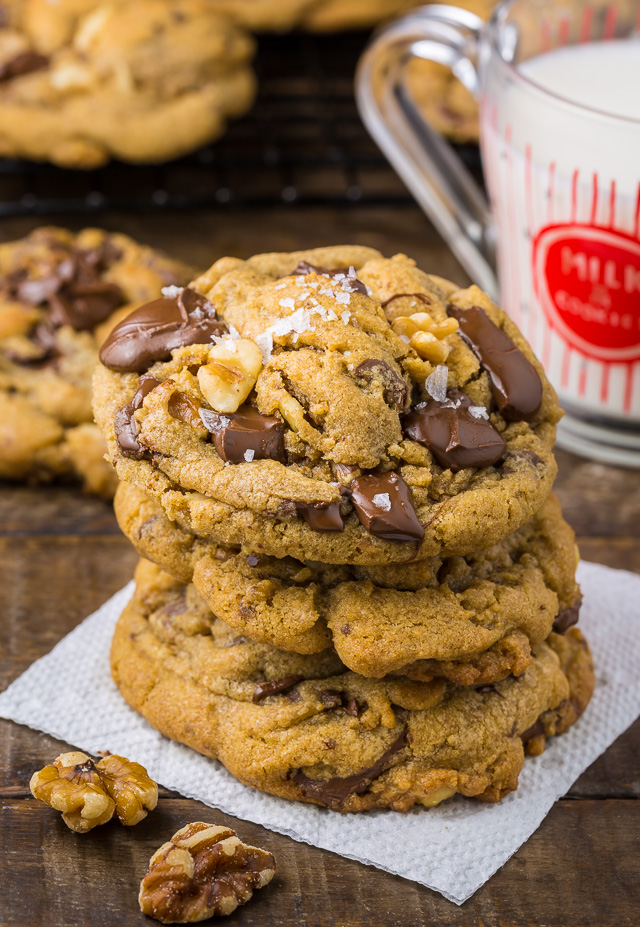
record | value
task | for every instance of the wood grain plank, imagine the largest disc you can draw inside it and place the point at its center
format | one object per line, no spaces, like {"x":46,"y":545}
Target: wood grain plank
{"x":562,"y":876}
{"x":27,"y":511}
{"x":598,"y":500}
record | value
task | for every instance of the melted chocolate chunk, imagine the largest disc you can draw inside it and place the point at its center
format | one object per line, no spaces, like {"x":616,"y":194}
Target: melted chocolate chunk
{"x":333,"y":792}
{"x":183,"y":408}
{"x":515,"y":384}
{"x":276,"y":687}
{"x":125,"y":426}
{"x":153,"y":331}
{"x":421,"y":296}
{"x":384,"y":506}
{"x":567,"y":617}
{"x":331,"y":698}
{"x":394,"y":388}
{"x":321,"y":516}
{"x":354,"y":708}
{"x":348,"y":281}
{"x":72,"y":289}
{"x":24,"y":63}
{"x":455,"y":437}
{"x":235,"y":433}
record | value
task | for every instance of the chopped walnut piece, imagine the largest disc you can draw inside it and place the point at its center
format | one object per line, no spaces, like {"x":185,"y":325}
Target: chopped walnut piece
{"x":203,"y":871}
{"x":425,"y":335}
{"x":89,"y":793}
{"x":230,"y":374}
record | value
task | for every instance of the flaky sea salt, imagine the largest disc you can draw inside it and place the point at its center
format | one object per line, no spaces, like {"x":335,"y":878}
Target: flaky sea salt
{"x":171,"y":292}
{"x":343,"y":298}
{"x":479,"y":412}
{"x":265,"y":343}
{"x":249,"y":455}
{"x":287,"y":303}
{"x":382,"y":500}
{"x":345,"y":316}
{"x":212,"y":421}
{"x":436,"y":383}
{"x":280,"y":286}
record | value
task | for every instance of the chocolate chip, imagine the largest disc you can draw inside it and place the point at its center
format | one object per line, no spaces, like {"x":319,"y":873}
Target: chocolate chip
{"x":125,"y":427}
{"x":348,"y":280}
{"x":153,"y":331}
{"x":383,"y":504}
{"x":235,"y":433}
{"x":354,"y":708}
{"x":333,"y":792}
{"x":515,"y":384}
{"x":455,"y":437}
{"x":394,"y":388}
{"x":83,"y":306}
{"x":566,"y":618}
{"x":24,"y":63}
{"x":321,"y":516}
{"x":276,"y":687}
{"x":513,"y":458}
{"x":184,"y":408}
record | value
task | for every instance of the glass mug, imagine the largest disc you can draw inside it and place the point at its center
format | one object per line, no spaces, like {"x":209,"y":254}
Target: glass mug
{"x":561,"y":241}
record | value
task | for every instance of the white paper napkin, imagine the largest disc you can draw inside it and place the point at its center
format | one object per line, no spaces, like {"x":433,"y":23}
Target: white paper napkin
{"x":453,"y":849}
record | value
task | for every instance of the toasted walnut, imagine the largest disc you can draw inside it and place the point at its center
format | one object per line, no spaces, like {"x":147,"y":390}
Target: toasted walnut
{"x":426,"y":336}
{"x":130,"y":787}
{"x":89,"y":793}
{"x":230,"y":375}
{"x":203,"y":871}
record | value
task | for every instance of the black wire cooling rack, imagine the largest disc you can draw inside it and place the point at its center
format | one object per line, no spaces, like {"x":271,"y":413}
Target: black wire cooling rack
{"x":302,"y":142}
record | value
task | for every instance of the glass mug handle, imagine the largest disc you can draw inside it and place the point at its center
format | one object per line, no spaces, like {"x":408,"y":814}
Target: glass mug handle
{"x":426,"y":162}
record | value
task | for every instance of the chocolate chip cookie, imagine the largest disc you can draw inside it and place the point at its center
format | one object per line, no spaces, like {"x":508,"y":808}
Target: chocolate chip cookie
{"x":313,"y":15}
{"x":470,"y":619}
{"x":84,"y":82}
{"x":330,"y":405}
{"x":59,"y":292}
{"x":304,"y":728}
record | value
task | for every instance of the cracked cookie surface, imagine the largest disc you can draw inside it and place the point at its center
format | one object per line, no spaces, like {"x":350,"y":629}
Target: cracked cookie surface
{"x":59,"y":293}
{"x":470,"y":620}
{"x":84,"y":82}
{"x":304,"y":728}
{"x":353,"y":446}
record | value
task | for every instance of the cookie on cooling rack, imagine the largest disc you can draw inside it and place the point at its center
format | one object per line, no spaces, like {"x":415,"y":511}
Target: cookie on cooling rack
{"x":83,"y":82}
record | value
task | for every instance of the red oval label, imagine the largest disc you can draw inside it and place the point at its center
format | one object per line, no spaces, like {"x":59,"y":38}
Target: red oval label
{"x":588,"y":282}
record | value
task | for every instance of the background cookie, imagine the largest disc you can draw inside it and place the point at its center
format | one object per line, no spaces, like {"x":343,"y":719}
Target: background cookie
{"x":343,"y":451}
{"x":470,"y":620}
{"x":57,"y":289}
{"x":144,"y":81}
{"x":301,"y":728}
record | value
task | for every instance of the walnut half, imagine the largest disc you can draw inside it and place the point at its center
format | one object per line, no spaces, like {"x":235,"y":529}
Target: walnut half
{"x":203,"y":871}
{"x":88,"y":793}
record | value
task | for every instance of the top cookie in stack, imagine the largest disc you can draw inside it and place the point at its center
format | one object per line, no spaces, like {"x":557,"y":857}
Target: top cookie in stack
{"x":351,"y":409}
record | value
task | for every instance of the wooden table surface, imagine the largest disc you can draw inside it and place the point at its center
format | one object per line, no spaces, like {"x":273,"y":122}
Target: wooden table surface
{"x":61,"y":556}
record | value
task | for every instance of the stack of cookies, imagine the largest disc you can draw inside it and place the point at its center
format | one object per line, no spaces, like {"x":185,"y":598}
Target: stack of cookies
{"x":357,"y":588}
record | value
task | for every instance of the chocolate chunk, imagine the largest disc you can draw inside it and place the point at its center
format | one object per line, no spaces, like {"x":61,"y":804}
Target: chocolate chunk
{"x":235,"y":433}
{"x":455,"y":437}
{"x":354,"y":708}
{"x":276,"y":687}
{"x":384,"y":506}
{"x":348,"y":280}
{"x":515,"y":384}
{"x":184,"y":408}
{"x":394,"y":388}
{"x":566,"y":618}
{"x":536,"y":730}
{"x":321,"y":516}
{"x":421,"y":296}
{"x":512,"y":458}
{"x":331,"y":698}
{"x":333,"y":792}
{"x":24,"y":63}
{"x":125,"y":426}
{"x":84,"y":305}
{"x":153,"y":331}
